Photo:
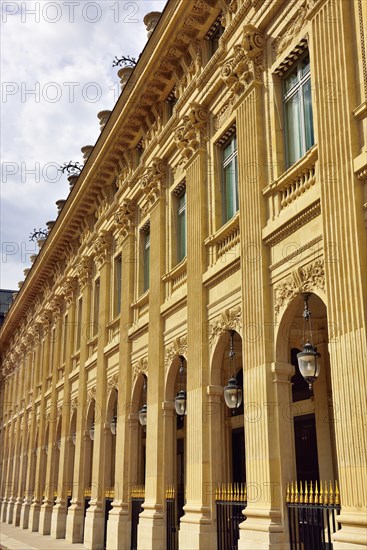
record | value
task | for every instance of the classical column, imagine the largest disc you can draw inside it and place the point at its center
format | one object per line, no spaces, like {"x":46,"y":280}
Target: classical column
{"x":34,"y":513}
{"x":94,"y":521}
{"x":197,"y":529}
{"x":29,"y":474}
{"x":75,"y":516}
{"x":151,"y":532}
{"x":119,"y":524}
{"x":15,"y":459}
{"x":334,"y":74}
{"x":59,"y":512}
{"x":53,"y":450}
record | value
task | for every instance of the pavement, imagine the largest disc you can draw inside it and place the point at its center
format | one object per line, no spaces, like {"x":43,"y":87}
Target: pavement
{"x":15,"y":538}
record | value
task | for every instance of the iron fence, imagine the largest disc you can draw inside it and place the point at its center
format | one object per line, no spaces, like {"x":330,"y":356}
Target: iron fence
{"x":312,"y":515}
{"x":137,"y":499}
{"x":231,"y":499}
{"x":171,"y":523}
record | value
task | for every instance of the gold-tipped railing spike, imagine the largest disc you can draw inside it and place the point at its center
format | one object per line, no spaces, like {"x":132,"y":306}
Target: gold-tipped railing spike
{"x":88,"y":492}
{"x":300,"y":498}
{"x":305,"y":500}
{"x":288,"y":494}
{"x":292,"y":492}
{"x":316,"y":493}
{"x":331,"y":493}
{"x":337,"y":494}
{"x":296,"y":497}
{"x":311,"y":494}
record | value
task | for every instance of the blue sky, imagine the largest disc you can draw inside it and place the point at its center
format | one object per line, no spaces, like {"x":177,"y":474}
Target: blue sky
{"x":57,"y":74}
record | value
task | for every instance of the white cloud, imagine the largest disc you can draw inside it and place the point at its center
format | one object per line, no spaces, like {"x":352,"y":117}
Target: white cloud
{"x":58,"y":44}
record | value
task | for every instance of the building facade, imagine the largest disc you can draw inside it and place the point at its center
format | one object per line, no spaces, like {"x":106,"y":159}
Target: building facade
{"x":229,"y":180}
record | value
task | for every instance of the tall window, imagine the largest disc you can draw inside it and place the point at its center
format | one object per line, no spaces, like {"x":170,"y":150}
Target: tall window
{"x":146,"y":259}
{"x":117,"y":285}
{"x":96,"y":307}
{"x":230,"y":179}
{"x":79,"y":324}
{"x":299,"y":135}
{"x":181,"y":226}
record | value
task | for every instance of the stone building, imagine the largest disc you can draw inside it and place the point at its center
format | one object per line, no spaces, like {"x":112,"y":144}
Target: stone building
{"x":227,"y":188}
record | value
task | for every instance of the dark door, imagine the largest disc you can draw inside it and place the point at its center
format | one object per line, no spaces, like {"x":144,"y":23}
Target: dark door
{"x":180,"y":479}
{"x":307,"y":462}
{"x":238,"y":456}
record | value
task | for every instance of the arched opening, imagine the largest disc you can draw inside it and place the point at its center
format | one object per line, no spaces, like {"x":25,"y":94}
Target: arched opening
{"x":138,"y":430}
{"x":309,"y":427}
{"x":88,"y":456}
{"x":310,"y":412}
{"x":228,"y":424}
{"x":110,"y":440}
{"x":44,"y":458}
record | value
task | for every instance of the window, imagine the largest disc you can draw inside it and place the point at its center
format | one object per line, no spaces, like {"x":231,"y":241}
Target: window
{"x":79,"y":324}
{"x":299,"y":135}
{"x":117,"y":285}
{"x":64,"y":339}
{"x":230,"y":179}
{"x":146,"y":259}
{"x":171,"y":101}
{"x":181,"y":226}
{"x":96,"y":307}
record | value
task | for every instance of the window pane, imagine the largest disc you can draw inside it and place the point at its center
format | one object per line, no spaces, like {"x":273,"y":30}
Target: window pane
{"x":181,"y":244}
{"x":118,"y":274}
{"x":291,"y":80}
{"x":305,"y":65}
{"x":146,"y":260}
{"x":307,"y":113}
{"x":293,"y":135}
{"x":229,"y":195}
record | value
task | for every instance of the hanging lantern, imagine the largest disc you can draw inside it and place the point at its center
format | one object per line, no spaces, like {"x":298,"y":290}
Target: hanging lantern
{"x":143,"y":415}
{"x":91,"y":433}
{"x":308,"y":363}
{"x":113,"y":425}
{"x":180,"y":403}
{"x":59,"y":444}
{"x":232,"y":392}
{"x":180,"y":399}
{"x":74,"y":439}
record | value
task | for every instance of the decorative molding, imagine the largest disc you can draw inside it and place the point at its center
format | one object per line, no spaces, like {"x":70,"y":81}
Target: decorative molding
{"x":91,"y":394}
{"x":296,"y":253}
{"x":153,"y":181}
{"x":74,"y":403}
{"x":112,"y":382}
{"x":230,"y":319}
{"x":303,"y":279}
{"x":191,"y":134}
{"x":141,"y":367}
{"x":69,"y":289}
{"x":293,"y":224}
{"x":176,"y":348}
{"x":293,"y":28}
{"x":84,"y":270}
{"x":103,"y":248}
{"x":246,"y":66}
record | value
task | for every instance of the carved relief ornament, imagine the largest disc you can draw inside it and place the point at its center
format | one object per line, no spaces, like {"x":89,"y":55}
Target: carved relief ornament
{"x":190,"y":135}
{"x":141,"y":367}
{"x":153,"y":181}
{"x":103,"y":247}
{"x":246,"y":66}
{"x":85,"y":268}
{"x":303,"y":279}
{"x":113,"y":382}
{"x":230,"y":319}
{"x":69,"y":289}
{"x":125,"y":217}
{"x":177,"y":347}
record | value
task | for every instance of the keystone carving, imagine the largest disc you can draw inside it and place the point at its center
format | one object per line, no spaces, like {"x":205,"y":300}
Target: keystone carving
{"x":191,"y":134}
{"x":141,"y":367}
{"x":230,"y":319}
{"x":113,"y":382}
{"x":178,"y":347}
{"x":302,"y":279}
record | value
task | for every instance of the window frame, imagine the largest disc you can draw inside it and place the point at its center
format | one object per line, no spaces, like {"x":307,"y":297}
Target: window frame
{"x":232,"y":159}
{"x":297,"y":90}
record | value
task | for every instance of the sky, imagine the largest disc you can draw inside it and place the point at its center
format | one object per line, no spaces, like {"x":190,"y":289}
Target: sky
{"x":56,"y":75}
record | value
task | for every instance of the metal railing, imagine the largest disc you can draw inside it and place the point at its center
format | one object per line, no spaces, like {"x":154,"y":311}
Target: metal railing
{"x":312,"y":511}
{"x":137,"y":499}
{"x":231,"y":499}
{"x":171,"y":523}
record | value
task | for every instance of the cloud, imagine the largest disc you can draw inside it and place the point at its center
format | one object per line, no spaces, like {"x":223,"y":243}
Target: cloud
{"x":57,"y":75}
